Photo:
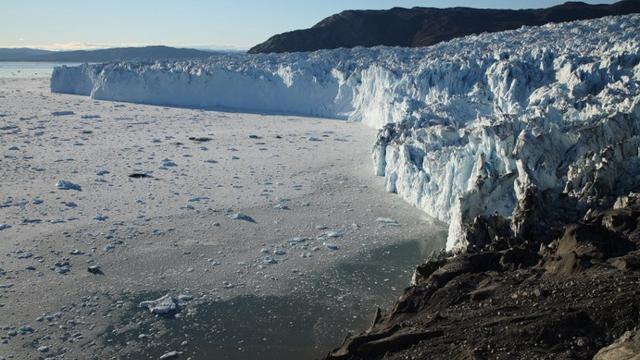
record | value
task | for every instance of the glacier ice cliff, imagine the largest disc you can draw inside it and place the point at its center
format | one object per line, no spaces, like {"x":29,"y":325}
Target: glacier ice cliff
{"x":493,"y":126}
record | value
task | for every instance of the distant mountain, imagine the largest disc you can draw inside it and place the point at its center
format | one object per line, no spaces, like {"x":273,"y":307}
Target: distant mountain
{"x":20,"y":53}
{"x":427,"y":26}
{"x":104,"y":55}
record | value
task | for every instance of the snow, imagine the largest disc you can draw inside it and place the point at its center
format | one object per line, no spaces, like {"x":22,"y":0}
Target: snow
{"x":466,"y":127}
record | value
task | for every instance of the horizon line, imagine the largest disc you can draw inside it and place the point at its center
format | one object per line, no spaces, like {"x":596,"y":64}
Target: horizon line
{"x":89,"y":47}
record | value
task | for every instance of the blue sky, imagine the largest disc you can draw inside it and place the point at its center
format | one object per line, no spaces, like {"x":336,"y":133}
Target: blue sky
{"x":67,"y":24}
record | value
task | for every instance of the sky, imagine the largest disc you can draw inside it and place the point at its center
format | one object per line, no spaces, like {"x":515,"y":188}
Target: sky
{"x":83,"y":24}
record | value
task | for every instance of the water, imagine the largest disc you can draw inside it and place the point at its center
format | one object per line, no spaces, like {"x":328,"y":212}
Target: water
{"x":312,"y":319}
{"x":29,"y":69}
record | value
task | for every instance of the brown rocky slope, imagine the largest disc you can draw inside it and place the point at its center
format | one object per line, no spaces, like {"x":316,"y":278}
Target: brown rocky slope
{"x":566,"y":295}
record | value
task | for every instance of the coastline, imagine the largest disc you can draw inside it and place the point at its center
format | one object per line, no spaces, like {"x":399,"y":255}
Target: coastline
{"x":575,"y":297}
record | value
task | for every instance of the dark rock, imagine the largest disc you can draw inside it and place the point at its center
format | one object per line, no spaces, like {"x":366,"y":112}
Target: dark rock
{"x":567,"y":301}
{"x":628,"y":262}
{"x":517,"y":258}
{"x":485,"y":231}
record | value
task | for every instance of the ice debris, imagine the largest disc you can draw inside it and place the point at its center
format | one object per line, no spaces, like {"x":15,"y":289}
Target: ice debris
{"x":67,"y":185}
{"x":166,"y":305}
{"x":387,"y":221}
{"x":242,"y":216}
{"x":169,"y":355}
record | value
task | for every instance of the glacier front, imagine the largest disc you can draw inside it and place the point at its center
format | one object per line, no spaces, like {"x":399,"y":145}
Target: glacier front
{"x":482,"y":128}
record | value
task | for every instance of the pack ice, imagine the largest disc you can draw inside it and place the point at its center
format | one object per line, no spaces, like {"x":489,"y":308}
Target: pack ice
{"x":475,"y":127}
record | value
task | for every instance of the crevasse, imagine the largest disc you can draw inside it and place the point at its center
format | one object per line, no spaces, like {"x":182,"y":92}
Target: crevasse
{"x":465,"y":126}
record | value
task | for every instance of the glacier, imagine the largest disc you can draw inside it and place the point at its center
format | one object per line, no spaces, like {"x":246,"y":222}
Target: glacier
{"x":478,"y":127}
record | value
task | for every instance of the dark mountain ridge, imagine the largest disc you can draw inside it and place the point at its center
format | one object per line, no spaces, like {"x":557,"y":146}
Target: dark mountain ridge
{"x":422,"y":26}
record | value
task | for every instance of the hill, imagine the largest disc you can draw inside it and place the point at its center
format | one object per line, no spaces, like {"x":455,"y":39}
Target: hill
{"x":420,"y":26}
{"x":104,"y":55}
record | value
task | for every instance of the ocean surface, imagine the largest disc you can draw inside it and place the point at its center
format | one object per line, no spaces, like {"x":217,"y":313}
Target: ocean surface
{"x":29,"y":69}
{"x":328,"y":305}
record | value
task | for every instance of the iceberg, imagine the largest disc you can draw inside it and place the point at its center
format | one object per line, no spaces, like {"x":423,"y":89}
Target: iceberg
{"x":474,"y":127}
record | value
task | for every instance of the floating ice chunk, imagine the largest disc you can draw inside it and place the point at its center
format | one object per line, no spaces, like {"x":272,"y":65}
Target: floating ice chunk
{"x":168,"y":163}
{"x":166,"y":305}
{"x":387,"y":221}
{"x":22,"y":254}
{"x":334,"y":233}
{"x":95,"y":269}
{"x":296,"y":240}
{"x":241,"y":216}
{"x":4,"y":226}
{"x":269,"y":260}
{"x":185,"y":297}
{"x":25,"y":329}
{"x":200,"y":139}
{"x":169,"y":355}
{"x":140,"y":176}
{"x":67,"y":185}
{"x":331,"y":246}
{"x":62,"y":267}
{"x":62,"y":113}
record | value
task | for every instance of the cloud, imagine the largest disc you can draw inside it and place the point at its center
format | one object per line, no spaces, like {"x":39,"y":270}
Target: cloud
{"x":72,"y":46}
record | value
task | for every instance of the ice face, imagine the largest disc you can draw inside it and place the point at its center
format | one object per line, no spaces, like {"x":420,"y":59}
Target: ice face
{"x":466,"y":127}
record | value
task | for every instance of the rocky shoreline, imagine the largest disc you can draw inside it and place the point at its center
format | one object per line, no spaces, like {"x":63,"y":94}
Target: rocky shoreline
{"x":567,"y":290}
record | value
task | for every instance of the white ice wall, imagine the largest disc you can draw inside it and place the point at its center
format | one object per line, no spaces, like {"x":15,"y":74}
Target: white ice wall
{"x":472,"y":122}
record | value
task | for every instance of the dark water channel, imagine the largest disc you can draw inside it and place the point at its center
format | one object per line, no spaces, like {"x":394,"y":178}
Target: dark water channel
{"x":312,"y":319}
